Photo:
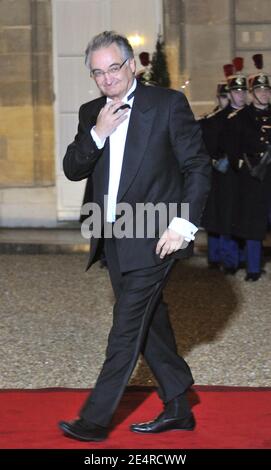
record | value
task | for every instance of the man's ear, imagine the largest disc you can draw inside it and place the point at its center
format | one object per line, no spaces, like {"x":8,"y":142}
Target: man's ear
{"x":132,"y":63}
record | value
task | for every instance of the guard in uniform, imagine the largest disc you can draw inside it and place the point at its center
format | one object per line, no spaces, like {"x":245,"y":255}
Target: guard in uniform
{"x":222,"y":96}
{"x":223,"y":249}
{"x":250,"y":156}
{"x":222,"y":101}
{"x":145,"y":75}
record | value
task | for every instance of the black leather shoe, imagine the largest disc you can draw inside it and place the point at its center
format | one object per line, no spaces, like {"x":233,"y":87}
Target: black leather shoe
{"x":252,"y":277}
{"x":162,"y":424}
{"x":82,"y":431}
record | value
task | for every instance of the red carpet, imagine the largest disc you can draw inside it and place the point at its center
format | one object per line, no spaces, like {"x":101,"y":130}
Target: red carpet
{"x":227,"y":418}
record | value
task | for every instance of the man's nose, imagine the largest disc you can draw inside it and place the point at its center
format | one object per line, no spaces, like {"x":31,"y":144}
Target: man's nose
{"x":107,"y":77}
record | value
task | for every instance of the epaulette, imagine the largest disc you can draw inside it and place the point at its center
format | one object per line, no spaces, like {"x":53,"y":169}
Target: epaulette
{"x":236,"y":111}
{"x":213,"y":113}
{"x":208,"y":115}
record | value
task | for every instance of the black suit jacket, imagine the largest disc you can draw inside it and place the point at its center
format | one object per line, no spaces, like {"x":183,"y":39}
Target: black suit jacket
{"x":164,"y":161}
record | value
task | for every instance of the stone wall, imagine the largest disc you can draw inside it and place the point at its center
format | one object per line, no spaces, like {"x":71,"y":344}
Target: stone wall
{"x":208,"y":37}
{"x":26,"y":96}
{"x":203,"y":35}
{"x":199,"y":41}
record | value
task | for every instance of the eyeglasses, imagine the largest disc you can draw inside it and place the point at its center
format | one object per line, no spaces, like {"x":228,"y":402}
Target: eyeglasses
{"x":113,"y":70}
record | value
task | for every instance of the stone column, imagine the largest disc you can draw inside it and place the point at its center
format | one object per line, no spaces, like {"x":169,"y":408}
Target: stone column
{"x":26,"y":97}
{"x":174,"y":24}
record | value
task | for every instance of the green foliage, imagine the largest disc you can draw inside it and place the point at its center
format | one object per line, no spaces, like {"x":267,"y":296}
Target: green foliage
{"x":160,"y":75}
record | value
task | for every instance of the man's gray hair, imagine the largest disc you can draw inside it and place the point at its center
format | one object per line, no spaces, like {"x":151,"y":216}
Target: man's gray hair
{"x":105,"y":39}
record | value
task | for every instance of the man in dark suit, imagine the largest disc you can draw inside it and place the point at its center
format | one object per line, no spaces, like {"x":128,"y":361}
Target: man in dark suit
{"x":140,"y":145}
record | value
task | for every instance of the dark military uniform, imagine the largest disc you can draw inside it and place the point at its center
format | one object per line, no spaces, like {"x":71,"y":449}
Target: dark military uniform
{"x":223,"y":248}
{"x":217,"y":217}
{"x":251,"y":135}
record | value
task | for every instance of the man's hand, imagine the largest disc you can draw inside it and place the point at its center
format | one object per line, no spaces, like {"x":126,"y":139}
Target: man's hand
{"x":169,"y":242}
{"x":108,"y":119}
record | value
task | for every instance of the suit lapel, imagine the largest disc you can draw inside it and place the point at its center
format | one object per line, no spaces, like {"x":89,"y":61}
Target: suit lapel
{"x":106,"y":164}
{"x":103,"y":163}
{"x":139,"y":129}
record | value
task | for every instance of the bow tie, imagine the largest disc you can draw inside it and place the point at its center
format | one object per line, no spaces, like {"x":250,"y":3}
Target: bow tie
{"x":126,"y":105}
{"x":123,"y":106}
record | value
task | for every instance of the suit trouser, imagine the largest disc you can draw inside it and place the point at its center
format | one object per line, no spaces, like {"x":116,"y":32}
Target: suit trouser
{"x":140,"y":324}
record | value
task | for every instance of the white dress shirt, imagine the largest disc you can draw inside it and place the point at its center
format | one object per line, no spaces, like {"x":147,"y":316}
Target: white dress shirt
{"x":117,"y":144}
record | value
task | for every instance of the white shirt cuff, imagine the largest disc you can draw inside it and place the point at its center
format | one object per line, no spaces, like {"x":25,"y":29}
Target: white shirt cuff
{"x":184,"y":228}
{"x":100,"y":143}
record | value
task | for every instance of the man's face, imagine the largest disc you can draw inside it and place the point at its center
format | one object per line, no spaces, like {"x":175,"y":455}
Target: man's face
{"x":262,"y":96}
{"x":113,"y":85}
{"x":223,"y":101}
{"x":238,"y":98}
